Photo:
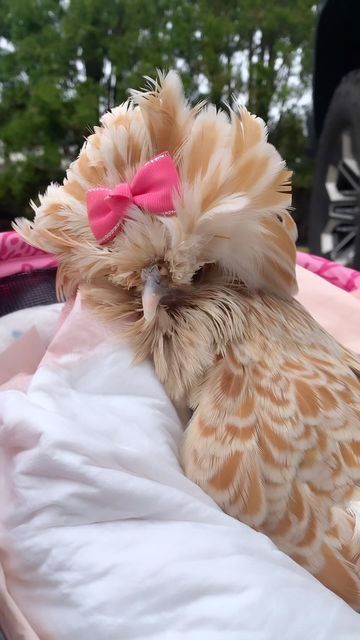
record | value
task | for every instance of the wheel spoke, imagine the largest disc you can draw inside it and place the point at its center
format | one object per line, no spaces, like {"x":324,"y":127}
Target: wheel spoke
{"x":346,"y":173}
{"x":347,"y":154}
{"x":343,"y":189}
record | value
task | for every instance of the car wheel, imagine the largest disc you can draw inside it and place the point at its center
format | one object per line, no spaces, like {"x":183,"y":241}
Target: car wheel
{"x":335,"y":202}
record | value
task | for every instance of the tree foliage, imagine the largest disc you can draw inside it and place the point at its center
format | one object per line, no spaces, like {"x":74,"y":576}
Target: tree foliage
{"x":62,"y":64}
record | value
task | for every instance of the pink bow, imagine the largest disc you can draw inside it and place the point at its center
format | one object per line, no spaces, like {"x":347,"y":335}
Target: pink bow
{"x":152,"y":189}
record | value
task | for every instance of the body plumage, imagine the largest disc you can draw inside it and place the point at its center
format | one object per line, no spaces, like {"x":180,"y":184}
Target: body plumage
{"x":274,"y":435}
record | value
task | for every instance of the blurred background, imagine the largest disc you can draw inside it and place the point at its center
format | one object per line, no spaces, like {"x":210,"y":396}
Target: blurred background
{"x":64,"y":63}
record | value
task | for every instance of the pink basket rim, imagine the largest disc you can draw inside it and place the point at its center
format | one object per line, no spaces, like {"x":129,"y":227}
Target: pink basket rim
{"x":17,"y":256}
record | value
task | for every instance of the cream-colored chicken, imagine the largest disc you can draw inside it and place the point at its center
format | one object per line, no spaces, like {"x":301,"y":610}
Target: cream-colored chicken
{"x":206,"y":292}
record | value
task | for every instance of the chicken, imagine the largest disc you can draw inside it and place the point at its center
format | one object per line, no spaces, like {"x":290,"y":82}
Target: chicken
{"x":173,"y":224}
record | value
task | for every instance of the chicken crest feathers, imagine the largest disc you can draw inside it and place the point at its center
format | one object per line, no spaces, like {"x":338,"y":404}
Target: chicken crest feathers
{"x":235,"y":190}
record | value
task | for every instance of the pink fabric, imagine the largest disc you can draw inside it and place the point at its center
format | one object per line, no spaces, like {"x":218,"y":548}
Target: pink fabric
{"x":333,"y":308}
{"x":16,"y":256}
{"x":340,"y":276}
{"x":28,"y":349}
{"x":152,"y":189}
{"x":13,"y":622}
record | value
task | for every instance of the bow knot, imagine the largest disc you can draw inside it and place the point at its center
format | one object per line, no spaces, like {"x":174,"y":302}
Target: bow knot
{"x":152,"y":189}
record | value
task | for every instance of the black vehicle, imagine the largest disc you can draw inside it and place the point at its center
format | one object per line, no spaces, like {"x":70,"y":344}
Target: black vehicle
{"x":334,"y":229}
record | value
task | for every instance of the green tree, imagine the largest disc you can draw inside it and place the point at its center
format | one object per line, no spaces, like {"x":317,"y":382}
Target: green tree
{"x":62,"y":64}
{"x":33,"y":63}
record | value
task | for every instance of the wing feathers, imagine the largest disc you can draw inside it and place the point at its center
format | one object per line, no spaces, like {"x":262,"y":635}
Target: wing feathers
{"x":275,"y":440}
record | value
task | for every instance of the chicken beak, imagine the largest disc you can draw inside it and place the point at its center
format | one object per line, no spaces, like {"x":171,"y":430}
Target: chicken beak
{"x":151,"y":295}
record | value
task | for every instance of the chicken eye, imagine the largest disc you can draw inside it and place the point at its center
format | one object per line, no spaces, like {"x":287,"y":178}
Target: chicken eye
{"x":197,"y":275}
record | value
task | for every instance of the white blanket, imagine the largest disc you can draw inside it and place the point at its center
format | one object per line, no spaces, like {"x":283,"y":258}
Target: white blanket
{"x":101,"y":535}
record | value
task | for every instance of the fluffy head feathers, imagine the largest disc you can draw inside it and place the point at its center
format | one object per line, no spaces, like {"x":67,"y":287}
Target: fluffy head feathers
{"x":232,"y":210}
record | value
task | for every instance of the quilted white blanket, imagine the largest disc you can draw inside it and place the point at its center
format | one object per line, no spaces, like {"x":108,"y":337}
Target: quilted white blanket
{"x":101,"y":535}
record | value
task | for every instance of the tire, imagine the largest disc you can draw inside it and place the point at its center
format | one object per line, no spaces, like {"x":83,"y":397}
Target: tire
{"x":335,"y":201}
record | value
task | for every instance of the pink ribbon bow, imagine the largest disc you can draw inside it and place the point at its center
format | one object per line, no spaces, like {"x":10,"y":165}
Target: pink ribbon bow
{"x":152,"y":189}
